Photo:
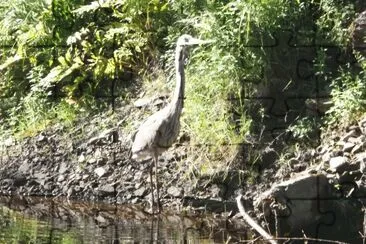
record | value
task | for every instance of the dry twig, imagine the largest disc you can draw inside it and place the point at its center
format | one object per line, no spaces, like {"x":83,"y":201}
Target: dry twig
{"x":252,"y":223}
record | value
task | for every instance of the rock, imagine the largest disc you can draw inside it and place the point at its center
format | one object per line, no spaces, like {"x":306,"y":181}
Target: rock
{"x":363,"y":167}
{"x":81,"y":158}
{"x":63,"y":168}
{"x":142,"y":102}
{"x":215,"y":192}
{"x":106,"y":190}
{"x":338,"y":164}
{"x":348,"y":146}
{"x":61,"y":178}
{"x":41,"y":138}
{"x":358,"y":148}
{"x":361,"y":159}
{"x":141,"y":192}
{"x":326,"y":157}
{"x":354,"y":140}
{"x":100,"y":219}
{"x":110,"y":134}
{"x":40,"y":177}
{"x":175,"y":191}
{"x":287,"y":199}
{"x":349,"y":134}
{"x":9,"y":142}
{"x":20,"y":180}
{"x":93,"y":140}
{"x":100,"y":171}
{"x":24,"y":167}
{"x":48,"y":186}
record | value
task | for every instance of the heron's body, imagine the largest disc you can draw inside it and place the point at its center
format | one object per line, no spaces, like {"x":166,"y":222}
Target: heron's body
{"x":161,"y":129}
{"x":155,"y":135}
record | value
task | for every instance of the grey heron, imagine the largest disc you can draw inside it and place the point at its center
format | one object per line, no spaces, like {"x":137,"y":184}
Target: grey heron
{"x":159,"y":131}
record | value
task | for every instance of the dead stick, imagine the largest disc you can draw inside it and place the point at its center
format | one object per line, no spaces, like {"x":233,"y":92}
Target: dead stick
{"x":252,"y":223}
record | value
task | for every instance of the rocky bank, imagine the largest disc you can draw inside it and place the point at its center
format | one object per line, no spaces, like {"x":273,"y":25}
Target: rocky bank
{"x":91,"y":161}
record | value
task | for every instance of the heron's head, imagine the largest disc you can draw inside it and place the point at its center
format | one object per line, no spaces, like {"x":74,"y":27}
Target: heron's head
{"x":187,"y":40}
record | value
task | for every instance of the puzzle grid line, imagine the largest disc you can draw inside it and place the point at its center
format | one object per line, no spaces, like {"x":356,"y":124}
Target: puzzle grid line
{"x":292,"y":43}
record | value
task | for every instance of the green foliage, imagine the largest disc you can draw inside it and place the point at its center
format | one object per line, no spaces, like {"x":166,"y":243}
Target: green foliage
{"x":83,"y":47}
{"x":349,"y":98}
{"x":334,"y":21}
{"x":303,"y":128}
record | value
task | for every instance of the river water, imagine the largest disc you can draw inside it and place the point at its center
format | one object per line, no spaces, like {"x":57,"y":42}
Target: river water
{"x":37,"y":220}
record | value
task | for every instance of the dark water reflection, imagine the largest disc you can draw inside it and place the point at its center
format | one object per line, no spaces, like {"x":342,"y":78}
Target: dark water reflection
{"x":36,"y":220}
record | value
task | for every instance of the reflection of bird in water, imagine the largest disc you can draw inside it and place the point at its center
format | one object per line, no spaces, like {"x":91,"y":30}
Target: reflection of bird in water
{"x":161,"y":129}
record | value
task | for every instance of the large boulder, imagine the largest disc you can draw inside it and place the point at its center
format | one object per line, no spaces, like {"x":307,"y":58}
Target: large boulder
{"x":308,"y":204}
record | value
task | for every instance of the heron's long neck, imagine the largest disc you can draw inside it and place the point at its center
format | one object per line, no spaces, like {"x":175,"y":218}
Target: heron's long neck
{"x":178,"y":97}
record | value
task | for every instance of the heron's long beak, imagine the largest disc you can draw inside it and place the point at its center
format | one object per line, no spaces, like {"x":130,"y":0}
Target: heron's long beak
{"x":196,"y":41}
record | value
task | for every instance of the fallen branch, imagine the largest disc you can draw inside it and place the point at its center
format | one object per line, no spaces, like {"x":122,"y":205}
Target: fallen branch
{"x":252,"y":223}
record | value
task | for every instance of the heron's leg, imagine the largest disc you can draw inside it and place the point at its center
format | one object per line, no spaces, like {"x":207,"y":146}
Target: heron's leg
{"x":156,"y":181}
{"x":152,"y":186}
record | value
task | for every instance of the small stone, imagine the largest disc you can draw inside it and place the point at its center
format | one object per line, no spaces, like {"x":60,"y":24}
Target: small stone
{"x":24,"y":167}
{"x":340,"y":143}
{"x":93,"y":140}
{"x":175,"y":191}
{"x":348,"y":146}
{"x":338,"y":163}
{"x":361,"y":158}
{"x":106,"y":190}
{"x":92,"y":161}
{"x":48,"y":186}
{"x":100,"y":219}
{"x":19,"y":180}
{"x":363,"y":167}
{"x":100,"y":171}
{"x":349,"y":134}
{"x":354,"y":140}
{"x":9,"y":142}
{"x":358,"y":148}
{"x":62,"y":168}
{"x":97,"y":153}
{"x":60,"y":178}
{"x":41,"y":138}
{"x":81,"y":158}
{"x":140,"y":192}
{"x":142,"y":102}
{"x":135,"y":200}
{"x":326,"y":157}
{"x":321,"y":150}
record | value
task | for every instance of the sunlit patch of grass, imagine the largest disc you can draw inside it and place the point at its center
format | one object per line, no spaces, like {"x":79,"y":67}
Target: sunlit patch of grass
{"x":214,"y":135}
{"x":37,"y":115}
